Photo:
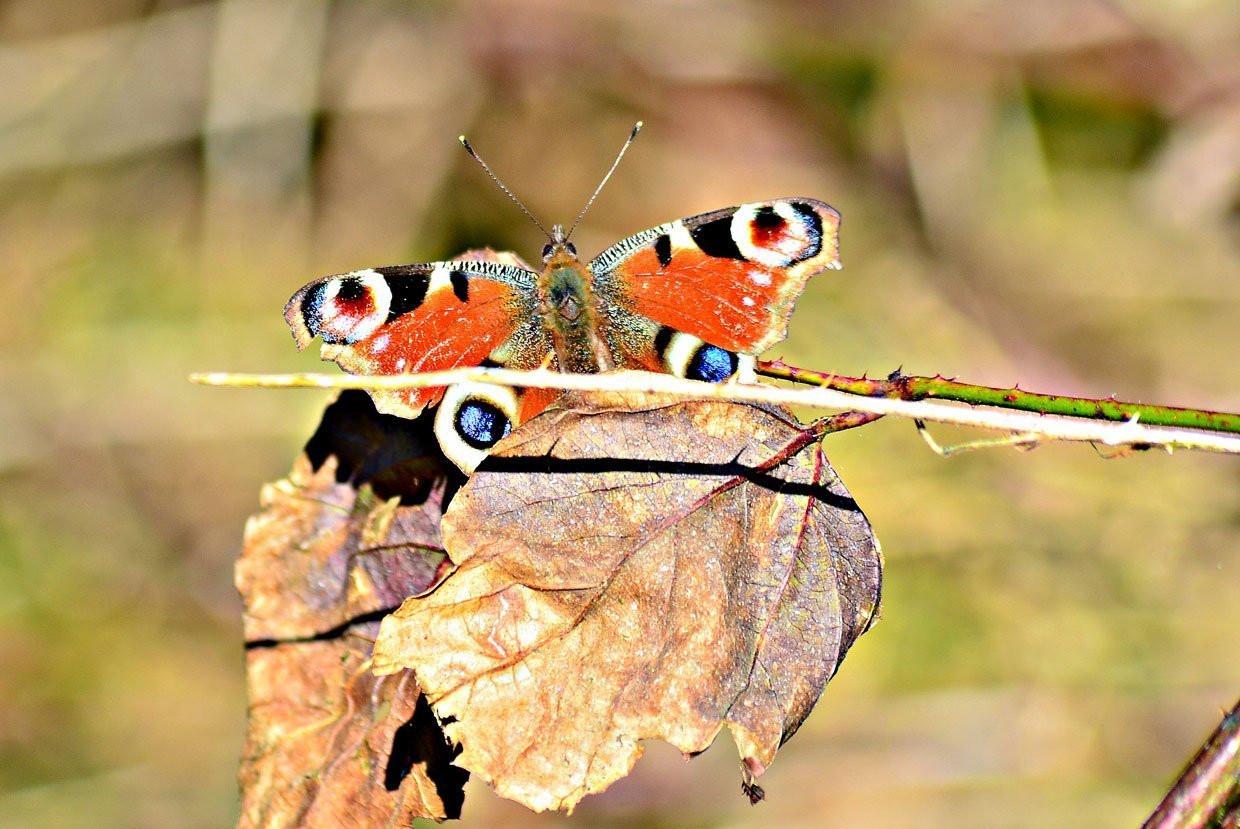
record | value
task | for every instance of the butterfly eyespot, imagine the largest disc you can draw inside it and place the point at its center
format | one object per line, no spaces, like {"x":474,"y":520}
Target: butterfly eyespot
{"x":712,"y":364}
{"x":347,"y":308}
{"x":472,"y":418}
{"x":687,"y":356}
{"x":777,"y":235}
{"x":481,"y":424}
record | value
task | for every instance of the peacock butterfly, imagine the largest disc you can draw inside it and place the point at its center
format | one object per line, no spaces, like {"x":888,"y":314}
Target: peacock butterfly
{"x":698,"y":298}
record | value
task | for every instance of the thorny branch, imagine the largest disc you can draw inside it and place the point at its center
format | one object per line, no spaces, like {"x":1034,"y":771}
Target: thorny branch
{"x":1032,"y":416}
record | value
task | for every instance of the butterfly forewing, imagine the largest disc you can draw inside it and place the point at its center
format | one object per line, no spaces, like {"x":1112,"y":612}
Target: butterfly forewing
{"x":419,"y":318}
{"x":729,"y":277}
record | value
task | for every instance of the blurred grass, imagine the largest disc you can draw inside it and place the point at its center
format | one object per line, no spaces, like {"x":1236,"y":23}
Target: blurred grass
{"x":1045,"y":194}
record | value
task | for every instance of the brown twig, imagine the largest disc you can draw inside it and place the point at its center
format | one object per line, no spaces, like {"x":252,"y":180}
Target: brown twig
{"x":1207,"y":793}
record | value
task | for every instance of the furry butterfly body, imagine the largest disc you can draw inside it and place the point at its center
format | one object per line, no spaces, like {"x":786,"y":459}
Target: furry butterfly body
{"x":697,"y":297}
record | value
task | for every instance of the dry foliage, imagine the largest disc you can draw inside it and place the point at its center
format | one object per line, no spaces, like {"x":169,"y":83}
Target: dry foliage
{"x":634,"y":567}
{"x":329,"y":744}
{"x":352,"y":531}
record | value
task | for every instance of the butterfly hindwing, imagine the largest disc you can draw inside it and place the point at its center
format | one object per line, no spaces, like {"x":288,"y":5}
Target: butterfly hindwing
{"x":729,"y":278}
{"x":418,"y":318}
{"x":473,"y":417}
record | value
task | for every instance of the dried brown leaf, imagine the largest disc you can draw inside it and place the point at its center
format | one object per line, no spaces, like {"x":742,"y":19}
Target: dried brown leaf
{"x":630,"y":568}
{"x":335,"y":541}
{"x":346,"y":537}
{"x":329,"y":744}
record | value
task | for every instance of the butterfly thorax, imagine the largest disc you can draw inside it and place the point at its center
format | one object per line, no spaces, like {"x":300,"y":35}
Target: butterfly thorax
{"x":572,"y":314}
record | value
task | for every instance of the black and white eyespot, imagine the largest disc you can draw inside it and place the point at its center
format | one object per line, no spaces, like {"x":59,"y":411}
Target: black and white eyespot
{"x":472,"y":418}
{"x":689,"y":357}
{"x":347,"y":308}
{"x":777,"y":234}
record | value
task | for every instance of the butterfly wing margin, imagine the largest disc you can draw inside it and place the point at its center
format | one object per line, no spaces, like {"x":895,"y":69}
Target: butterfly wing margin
{"x":416,"y":318}
{"x":730,"y":277}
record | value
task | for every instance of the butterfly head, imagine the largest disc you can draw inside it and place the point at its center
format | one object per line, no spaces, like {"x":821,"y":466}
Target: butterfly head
{"x":558,"y":245}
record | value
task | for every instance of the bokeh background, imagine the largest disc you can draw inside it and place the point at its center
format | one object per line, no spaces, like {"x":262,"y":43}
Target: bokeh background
{"x":1046,"y":193}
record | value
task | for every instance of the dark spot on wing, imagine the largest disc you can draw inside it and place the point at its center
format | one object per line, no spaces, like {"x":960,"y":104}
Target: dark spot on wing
{"x":662,"y":340}
{"x":663,"y":250}
{"x":715,"y":239}
{"x":312,"y":309}
{"x":766,"y":218}
{"x":460,"y":285}
{"x":767,"y":227}
{"x":408,"y":292}
{"x":813,"y":226}
{"x":351,"y":290}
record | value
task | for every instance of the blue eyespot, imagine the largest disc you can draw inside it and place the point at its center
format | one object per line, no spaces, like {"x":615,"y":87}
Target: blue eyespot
{"x":712,"y":364}
{"x":481,"y":425}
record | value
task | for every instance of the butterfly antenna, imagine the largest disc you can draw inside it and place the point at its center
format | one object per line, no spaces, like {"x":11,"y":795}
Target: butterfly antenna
{"x":636,"y":129}
{"x":469,"y":149}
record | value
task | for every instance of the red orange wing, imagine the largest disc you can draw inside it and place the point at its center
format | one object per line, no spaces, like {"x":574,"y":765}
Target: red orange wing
{"x":730,"y":277}
{"x":417,"y":318}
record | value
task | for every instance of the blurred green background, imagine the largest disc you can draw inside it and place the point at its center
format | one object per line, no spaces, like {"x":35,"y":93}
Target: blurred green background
{"x":1046,"y":193}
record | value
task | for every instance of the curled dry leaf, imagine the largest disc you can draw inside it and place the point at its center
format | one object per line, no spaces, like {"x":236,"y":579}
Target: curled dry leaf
{"x":353,"y":530}
{"x":330,"y":744}
{"x":628,"y":568}
{"x":350,"y":533}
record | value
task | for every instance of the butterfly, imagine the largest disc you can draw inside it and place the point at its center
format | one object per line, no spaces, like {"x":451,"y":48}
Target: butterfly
{"x":698,"y":298}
